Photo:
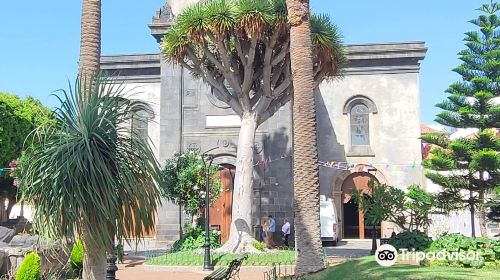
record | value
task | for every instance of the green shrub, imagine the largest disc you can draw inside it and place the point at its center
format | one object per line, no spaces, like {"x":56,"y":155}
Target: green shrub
{"x":259,"y":245}
{"x":76,"y":257}
{"x":222,"y":259}
{"x":30,"y":268}
{"x":411,"y":240}
{"x":119,"y":252}
{"x":194,"y":238}
{"x":488,"y":249}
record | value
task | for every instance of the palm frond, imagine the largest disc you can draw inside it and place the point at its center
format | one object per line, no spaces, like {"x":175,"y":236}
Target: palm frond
{"x":92,"y":173}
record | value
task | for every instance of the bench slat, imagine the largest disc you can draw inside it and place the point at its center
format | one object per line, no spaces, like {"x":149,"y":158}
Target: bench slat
{"x":227,"y":271}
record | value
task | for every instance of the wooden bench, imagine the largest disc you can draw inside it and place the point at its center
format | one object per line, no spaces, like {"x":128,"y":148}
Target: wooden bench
{"x":228,"y":272}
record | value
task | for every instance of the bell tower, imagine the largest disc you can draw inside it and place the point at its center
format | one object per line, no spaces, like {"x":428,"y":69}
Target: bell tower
{"x":165,"y":15}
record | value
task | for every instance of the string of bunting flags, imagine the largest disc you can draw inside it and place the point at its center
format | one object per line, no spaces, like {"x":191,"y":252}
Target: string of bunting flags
{"x":265,"y":162}
{"x":363,"y":167}
{"x":344,"y":165}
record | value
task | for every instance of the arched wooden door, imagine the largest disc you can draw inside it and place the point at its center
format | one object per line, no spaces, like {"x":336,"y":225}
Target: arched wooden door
{"x":353,"y":225}
{"x":221,"y":210}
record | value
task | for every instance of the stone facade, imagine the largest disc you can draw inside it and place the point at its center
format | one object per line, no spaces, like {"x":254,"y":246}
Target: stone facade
{"x":186,"y":115}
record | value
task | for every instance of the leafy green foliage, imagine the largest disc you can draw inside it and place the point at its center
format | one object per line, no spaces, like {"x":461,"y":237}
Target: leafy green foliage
{"x":194,"y":238}
{"x":471,"y":104}
{"x":379,"y":203}
{"x":119,"y":253}
{"x":411,"y":240}
{"x":409,"y":210}
{"x":193,"y":258}
{"x":489,"y":249}
{"x":494,"y":204}
{"x":259,"y":245}
{"x":30,"y":268}
{"x":92,"y":172}
{"x":76,"y":257}
{"x":412,"y":212}
{"x":367,"y":268}
{"x":19,"y":118}
{"x":184,"y":181}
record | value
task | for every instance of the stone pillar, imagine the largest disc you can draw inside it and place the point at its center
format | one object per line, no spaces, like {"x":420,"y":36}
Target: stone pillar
{"x":337,"y":200}
{"x":256,"y":208}
{"x":167,"y":228}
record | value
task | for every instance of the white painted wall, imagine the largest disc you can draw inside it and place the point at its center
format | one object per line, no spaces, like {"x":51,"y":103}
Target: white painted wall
{"x":150,"y":93}
{"x":223,"y":121}
{"x":394,"y":130}
{"x":456,"y":221}
{"x":26,"y":209}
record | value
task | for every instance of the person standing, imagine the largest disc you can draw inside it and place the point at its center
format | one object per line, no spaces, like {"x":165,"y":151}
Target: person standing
{"x":265,"y":226}
{"x":285,"y":229}
{"x":270,"y":231}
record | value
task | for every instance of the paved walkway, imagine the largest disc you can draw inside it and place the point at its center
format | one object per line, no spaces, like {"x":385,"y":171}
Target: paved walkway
{"x":133,"y":268}
{"x":350,"y":248}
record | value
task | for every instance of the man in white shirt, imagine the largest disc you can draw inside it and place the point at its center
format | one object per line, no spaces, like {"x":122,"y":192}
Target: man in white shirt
{"x":285,"y":229}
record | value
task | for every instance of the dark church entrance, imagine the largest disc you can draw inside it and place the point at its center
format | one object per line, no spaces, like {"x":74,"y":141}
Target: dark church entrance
{"x":354,"y":224}
{"x":351,"y":221}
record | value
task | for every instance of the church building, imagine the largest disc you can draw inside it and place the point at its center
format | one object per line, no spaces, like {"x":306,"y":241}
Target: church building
{"x":368,"y":127}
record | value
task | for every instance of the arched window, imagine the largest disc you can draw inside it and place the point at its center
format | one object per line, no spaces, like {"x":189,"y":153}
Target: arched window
{"x":359,"y":109}
{"x":140,"y":124}
{"x":360,"y":128}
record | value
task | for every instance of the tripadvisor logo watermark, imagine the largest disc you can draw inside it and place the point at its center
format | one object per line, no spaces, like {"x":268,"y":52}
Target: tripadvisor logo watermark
{"x":387,"y":255}
{"x":439,"y":255}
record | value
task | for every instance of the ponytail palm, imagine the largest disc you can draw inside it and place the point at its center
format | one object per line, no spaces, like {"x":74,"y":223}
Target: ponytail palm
{"x":92,"y":175}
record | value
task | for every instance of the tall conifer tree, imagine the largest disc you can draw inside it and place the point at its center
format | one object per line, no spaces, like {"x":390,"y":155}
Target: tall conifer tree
{"x":468,"y":168}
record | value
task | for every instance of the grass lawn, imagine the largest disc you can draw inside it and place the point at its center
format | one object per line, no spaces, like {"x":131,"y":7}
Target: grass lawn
{"x":196,"y":259}
{"x":367,"y":268}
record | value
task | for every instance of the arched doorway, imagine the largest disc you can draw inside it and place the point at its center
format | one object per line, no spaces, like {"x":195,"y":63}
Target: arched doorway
{"x":352,"y":218}
{"x":221,"y":210}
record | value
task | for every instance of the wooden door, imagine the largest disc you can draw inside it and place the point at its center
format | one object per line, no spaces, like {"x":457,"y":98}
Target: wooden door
{"x":221,"y":210}
{"x":358,"y":180}
{"x":145,"y":233}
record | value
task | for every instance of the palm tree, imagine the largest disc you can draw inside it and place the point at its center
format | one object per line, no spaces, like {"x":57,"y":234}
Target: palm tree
{"x":90,"y":38}
{"x":92,"y":175}
{"x":305,"y":155}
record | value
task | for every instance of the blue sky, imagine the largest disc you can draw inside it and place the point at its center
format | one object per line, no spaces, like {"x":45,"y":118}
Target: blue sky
{"x":39,"y":40}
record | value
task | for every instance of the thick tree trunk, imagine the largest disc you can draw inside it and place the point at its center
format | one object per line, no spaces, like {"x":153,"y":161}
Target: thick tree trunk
{"x":240,"y":236}
{"x":305,"y":155}
{"x":94,"y":260}
{"x":90,"y":40}
{"x":482,"y":215}
{"x":472,"y":215}
{"x":4,"y":215}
